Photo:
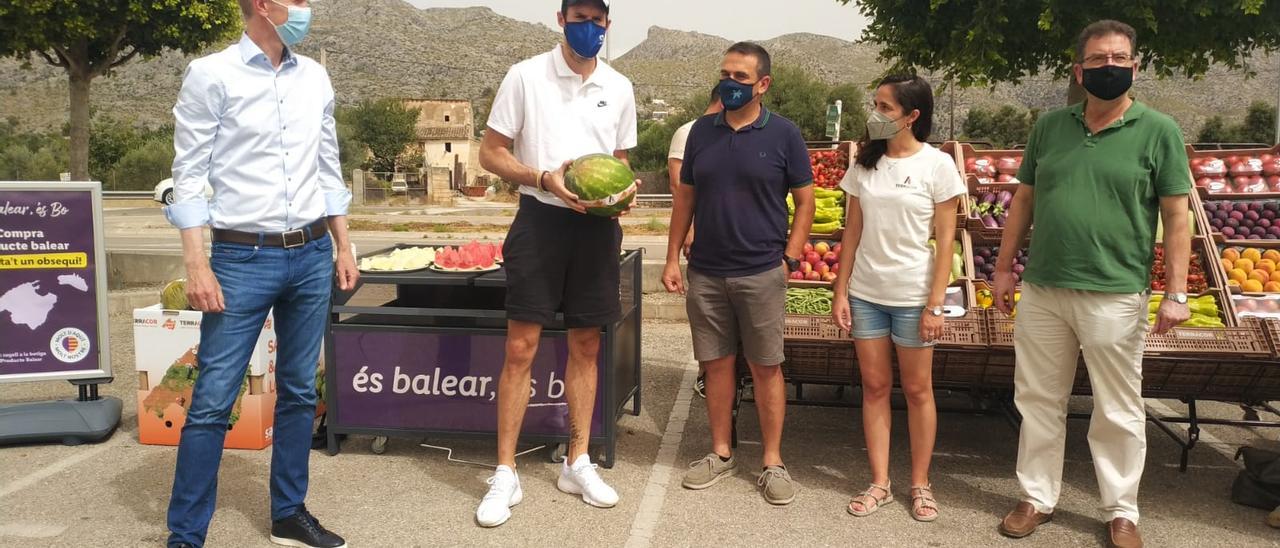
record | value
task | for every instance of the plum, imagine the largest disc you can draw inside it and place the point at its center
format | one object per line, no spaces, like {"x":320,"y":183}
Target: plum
{"x":1222,"y":214}
{"x":1241,"y":207}
{"x":1264,"y":223}
{"x":1228,"y":232}
{"x":1237,"y":215}
{"x":1252,"y":215}
{"x":1232,"y":223}
{"x":1259,"y":231}
{"x":978,"y":261}
{"x":1274,"y":232}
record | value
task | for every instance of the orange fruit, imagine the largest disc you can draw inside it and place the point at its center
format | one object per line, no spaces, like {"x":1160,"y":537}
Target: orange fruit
{"x":1237,"y":275}
{"x":1272,"y":287}
{"x":1231,"y":254}
{"x":1245,"y":264}
{"x":1272,"y":255}
{"x":1251,"y":286}
{"x":1253,"y":254}
{"x":1260,"y":275}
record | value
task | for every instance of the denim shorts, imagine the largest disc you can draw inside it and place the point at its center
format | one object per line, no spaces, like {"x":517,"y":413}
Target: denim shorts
{"x":875,"y":321}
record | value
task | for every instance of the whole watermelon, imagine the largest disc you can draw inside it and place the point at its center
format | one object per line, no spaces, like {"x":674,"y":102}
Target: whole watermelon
{"x":604,"y":184}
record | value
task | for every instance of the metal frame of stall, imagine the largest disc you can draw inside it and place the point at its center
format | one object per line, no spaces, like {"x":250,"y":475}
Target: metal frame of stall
{"x":621,"y":343}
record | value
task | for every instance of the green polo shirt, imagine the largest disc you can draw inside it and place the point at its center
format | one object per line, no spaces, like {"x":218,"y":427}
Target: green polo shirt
{"x":1097,"y":197}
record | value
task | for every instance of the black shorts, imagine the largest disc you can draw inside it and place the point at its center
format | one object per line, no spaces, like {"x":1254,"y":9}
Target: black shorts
{"x":559,"y":260}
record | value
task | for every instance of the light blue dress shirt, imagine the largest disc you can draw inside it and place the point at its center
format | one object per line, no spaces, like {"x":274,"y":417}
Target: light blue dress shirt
{"x":263,"y":138}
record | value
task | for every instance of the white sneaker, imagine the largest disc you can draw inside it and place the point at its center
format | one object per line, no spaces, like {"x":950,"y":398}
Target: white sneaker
{"x":581,"y":479}
{"x":504,"y":492}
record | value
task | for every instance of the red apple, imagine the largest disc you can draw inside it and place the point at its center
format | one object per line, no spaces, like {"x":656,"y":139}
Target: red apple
{"x":1256,"y":184}
{"x":970,"y":164}
{"x":806,"y":268}
{"x":1195,"y":162}
{"x":829,"y":277}
{"x":830,"y":258}
{"x":835,"y":268}
{"x":813,"y":276}
{"x":1008,"y":164}
{"x":1210,"y":166}
{"x":1271,"y":166}
{"x":1274,"y":183}
{"x":1245,"y":168}
{"x":797,"y":275}
{"x":1004,"y":178}
{"x":836,"y":248}
{"x":822,"y":268}
{"x":812,"y":257}
{"x":808,"y":247}
{"x":1231,"y":160}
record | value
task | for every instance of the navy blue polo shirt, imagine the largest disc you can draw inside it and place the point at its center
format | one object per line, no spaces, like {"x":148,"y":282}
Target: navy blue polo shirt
{"x":741,"y":180}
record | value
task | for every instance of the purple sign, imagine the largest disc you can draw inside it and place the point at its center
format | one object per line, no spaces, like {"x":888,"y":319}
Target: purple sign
{"x":49,"y":301}
{"x":431,"y":381}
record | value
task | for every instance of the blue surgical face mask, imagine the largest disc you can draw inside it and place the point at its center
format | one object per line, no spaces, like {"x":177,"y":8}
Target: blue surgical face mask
{"x":295,"y":28}
{"x":735,"y":95}
{"x":585,"y":37}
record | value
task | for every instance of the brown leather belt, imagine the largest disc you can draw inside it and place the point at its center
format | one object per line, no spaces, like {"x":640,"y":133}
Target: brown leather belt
{"x":290,"y":239}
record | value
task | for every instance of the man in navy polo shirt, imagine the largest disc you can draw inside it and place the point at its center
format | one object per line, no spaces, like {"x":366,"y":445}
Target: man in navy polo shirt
{"x":738,"y":167}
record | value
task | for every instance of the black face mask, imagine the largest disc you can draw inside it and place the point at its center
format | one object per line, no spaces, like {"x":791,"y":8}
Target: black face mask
{"x":1107,"y":82}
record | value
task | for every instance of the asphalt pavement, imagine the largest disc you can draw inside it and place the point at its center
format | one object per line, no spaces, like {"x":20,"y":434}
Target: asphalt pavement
{"x":115,"y":493}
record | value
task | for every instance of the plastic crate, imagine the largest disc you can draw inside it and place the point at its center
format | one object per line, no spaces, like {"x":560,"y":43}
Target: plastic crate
{"x":968,"y":332}
{"x":819,"y":361}
{"x":965,"y":151}
{"x":959,"y":369}
{"x":1273,"y":334}
{"x":1220,"y":380}
{"x":1192,"y":153}
{"x":1247,"y":340}
{"x":801,"y":327}
{"x":973,"y":222}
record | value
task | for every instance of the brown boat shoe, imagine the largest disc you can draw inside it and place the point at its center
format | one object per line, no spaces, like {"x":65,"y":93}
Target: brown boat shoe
{"x":1123,"y":533}
{"x":1023,"y":520}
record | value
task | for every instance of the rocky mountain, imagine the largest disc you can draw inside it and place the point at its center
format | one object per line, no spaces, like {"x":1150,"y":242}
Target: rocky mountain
{"x":389,"y":48}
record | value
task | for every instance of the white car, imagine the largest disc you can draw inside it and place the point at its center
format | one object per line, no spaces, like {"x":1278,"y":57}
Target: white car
{"x":164,"y":192}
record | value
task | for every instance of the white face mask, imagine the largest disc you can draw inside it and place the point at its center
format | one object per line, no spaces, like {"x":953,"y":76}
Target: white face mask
{"x":880,"y":126}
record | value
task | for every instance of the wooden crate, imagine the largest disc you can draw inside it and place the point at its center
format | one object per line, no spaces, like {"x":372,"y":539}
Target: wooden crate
{"x":1237,"y":241}
{"x":1223,"y":154}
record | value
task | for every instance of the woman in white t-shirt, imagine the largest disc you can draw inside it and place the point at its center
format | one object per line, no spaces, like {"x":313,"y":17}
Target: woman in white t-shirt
{"x":899,"y":188}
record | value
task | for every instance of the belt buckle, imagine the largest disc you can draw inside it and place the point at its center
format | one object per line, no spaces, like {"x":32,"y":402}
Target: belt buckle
{"x":286,"y":236}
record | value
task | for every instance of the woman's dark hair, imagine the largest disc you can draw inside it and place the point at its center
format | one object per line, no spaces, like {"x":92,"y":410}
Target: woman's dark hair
{"x":912,"y":93}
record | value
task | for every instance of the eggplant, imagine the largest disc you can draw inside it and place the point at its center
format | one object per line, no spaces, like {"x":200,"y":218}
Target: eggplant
{"x":989,"y":221}
{"x":989,"y":198}
{"x":1004,"y":199}
{"x":1000,"y":219}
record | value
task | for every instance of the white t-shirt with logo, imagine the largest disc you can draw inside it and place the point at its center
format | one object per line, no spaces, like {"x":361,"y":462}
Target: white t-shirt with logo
{"x":678,"y":141}
{"x":553,"y":116}
{"x":893,"y":265}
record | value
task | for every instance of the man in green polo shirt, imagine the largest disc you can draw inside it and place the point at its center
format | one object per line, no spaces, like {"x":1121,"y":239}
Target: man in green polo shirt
{"x":1096,"y":177}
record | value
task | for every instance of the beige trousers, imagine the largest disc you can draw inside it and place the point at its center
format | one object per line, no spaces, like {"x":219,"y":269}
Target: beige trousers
{"x":1051,"y":329}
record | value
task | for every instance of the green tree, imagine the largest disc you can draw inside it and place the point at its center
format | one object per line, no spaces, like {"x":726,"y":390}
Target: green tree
{"x":145,"y":165}
{"x":19,"y":163}
{"x":1215,"y":130}
{"x":88,"y":38}
{"x":386,"y":127}
{"x":1258,"y":126}
{"x":981,"y":42}
{"x":480,"y":109}
{"x":1003,"y":127}
{"x":801,"y":98}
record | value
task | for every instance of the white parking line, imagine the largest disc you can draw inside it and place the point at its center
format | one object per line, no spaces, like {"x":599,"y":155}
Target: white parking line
{"x":655,"y":490}
{"x":82,"y":453}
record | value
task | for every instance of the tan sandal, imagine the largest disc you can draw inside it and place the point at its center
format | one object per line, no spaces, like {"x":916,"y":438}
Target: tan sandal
{"x":921,"y":499}
{"x":869,"y":501}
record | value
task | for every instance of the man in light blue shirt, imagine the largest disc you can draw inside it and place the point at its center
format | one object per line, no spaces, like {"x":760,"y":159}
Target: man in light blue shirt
{"x":255,"y":122}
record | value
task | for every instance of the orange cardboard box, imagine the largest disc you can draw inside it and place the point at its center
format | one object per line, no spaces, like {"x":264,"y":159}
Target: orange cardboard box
{"x":166,"y":343}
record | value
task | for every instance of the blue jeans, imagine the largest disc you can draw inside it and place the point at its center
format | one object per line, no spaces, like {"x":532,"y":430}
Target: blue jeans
{"x":297,"y":283}
{"x":876,"y":321}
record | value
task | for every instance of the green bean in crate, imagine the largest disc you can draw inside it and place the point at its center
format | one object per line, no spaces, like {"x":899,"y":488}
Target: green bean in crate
{"x":811,"y":302}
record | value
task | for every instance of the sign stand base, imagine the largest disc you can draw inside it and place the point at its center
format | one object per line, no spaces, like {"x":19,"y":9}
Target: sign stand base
{"x":88,"y":419}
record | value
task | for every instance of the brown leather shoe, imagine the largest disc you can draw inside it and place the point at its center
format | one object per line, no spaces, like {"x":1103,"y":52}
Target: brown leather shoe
{"x":1124,"y":534}
{"x":1023,"y":520}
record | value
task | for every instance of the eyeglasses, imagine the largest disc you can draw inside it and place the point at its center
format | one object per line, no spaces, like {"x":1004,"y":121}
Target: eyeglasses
{"x":1117,"y":58}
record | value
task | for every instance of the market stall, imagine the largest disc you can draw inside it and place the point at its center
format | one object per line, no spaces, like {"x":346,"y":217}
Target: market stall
{"x":416,"y":352}
{"x":1227,"y":352}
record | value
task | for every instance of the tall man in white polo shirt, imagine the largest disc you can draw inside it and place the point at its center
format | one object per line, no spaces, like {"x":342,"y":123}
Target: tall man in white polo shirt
{"x":550,"y":110}
{"x":255,"y":122}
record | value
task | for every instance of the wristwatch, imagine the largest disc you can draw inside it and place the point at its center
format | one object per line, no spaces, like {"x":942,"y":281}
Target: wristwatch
{"x":792,"y":264}
{"x":1180,"y":298}
{"x":935,"y":310}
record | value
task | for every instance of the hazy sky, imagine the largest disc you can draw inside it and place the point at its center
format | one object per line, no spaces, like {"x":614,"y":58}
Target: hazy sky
{"x":732,"y":19}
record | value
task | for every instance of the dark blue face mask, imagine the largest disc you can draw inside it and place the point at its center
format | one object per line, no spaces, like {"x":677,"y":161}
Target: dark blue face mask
{"x":585,"y":37}
{"x":735,"y":95}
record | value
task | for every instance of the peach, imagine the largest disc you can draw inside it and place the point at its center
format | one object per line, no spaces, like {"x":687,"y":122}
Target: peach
{"x":1253,"y":254}
{"x":1245,"y":264}
{"x":1251,"y":286}
{"x":1272,"y":255}
{"x":1272,"y":287}
{"x":1231,"y":254}
{"x":1235,"y":274}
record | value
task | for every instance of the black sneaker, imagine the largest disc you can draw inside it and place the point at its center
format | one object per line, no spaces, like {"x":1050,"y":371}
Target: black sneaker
{"x":700,"y":385}
{"x":303,"y":530}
